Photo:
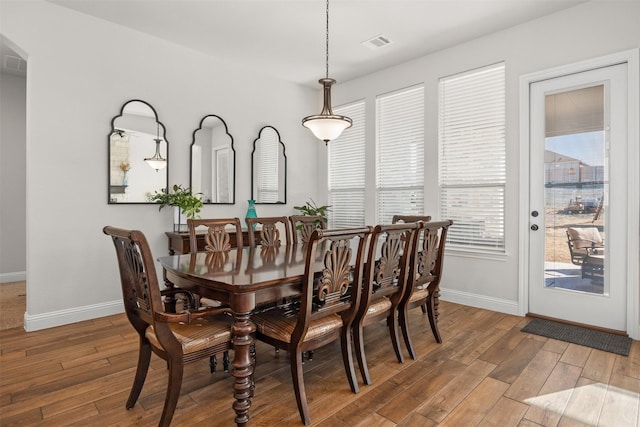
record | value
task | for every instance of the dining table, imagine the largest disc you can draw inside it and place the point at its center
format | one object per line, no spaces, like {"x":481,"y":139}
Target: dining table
{"x":244,"y":279}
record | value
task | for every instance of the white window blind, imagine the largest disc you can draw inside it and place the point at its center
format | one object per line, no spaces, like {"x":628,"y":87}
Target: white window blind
{"x":472,"y":163}
{"x":268,"y":151}
{"x":346,"y":171}
{"x":400,"y":154}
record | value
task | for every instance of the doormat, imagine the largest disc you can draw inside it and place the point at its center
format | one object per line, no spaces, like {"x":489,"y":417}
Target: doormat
{"x":577,"y":335}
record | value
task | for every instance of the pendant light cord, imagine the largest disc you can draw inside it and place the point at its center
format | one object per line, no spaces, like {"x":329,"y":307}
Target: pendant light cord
{"x":327,"y":40}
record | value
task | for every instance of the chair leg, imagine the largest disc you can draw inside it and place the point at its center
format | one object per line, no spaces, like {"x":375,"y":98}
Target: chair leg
{"x":298,"y":385}
{"x":432,"y":312}
{"x":360,"y":355}
{"x":173,"y":392}
{"x":392,"y":324}
{"x":404,"y":327}
{"x":144,"y":357}
{"x":225,"y":361}
{"x":213,"y":362}
{"x":347,"y":358}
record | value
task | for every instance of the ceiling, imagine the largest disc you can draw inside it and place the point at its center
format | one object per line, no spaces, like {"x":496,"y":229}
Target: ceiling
{"x":286,"y":38}
{"x":12,"y":62}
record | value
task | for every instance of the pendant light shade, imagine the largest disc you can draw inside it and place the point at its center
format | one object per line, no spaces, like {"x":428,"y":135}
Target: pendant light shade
{"x":157,"y":162}
{"x":327,"y":126}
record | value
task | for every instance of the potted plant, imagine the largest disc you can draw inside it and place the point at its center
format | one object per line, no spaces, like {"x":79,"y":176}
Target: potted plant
{"x":311,"y":209}
{"x":186,"y":203}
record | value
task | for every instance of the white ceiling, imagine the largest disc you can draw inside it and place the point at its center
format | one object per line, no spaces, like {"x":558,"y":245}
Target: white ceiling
{"x":286,"y":38}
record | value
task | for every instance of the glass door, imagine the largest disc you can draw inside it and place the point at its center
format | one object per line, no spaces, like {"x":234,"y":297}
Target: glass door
{"x":578,"y":206}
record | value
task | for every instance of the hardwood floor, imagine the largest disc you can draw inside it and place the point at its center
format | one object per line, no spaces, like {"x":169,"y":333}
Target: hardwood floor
{"x":486,"y":373}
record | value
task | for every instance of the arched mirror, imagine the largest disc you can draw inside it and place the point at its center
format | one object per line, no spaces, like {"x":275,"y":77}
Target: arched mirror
{"x":138,"y":160}
{"x":268,"y":168}
{"x":213,"y":162}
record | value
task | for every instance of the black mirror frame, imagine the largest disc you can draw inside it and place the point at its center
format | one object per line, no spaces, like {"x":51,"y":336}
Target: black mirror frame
{"x":193,"y":141}
{"x":113,"y":130}
{"x":284,"y":154}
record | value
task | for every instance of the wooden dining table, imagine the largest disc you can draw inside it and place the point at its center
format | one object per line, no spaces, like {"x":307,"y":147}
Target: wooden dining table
{"x":245,"y":279}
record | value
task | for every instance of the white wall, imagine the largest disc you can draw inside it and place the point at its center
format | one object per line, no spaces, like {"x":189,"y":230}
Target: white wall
{"x":585,"y":31}
{"x":81,"y":71}
{"x":13,"y":249}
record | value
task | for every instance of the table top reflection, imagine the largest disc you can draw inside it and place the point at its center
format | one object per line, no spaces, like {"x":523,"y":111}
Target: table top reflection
{"x":238,"y":270}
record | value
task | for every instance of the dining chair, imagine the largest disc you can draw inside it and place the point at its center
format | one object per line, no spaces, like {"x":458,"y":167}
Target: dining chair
{"x":410,"y":218}
{"x":425,"y":273}
{"x":178,"y":338}
{"x":218,"y":234}
{"x":269,"y":233}
{"x":217,"y":243}
{"x":331,"y":288}
{"x":391,"y":247}
{"x":303,"y":225}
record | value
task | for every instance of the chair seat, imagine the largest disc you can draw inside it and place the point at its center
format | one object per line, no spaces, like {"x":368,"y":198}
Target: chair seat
{"x":419,"y":294}
{"x":197,"y":335}
{"x":279,"y":324}
{"x":207,"y":302}
{"x":379,"y":306}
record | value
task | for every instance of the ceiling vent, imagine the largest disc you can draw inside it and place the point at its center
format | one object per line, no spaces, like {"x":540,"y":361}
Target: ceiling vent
{"x":14,"y":63}
{"x":377,"y":42}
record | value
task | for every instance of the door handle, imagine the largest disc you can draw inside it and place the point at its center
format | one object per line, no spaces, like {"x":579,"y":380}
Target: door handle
{"x":534,"y":227}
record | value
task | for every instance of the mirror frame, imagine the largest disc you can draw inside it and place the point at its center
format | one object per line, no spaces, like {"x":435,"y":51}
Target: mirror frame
{"x":193,"y":142}
{"x":284,"y":155}
{"x":113,"y":130}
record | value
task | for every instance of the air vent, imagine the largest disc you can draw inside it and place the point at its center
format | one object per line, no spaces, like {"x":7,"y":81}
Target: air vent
{"x":377,"y":42}
{"x":15,"y":63}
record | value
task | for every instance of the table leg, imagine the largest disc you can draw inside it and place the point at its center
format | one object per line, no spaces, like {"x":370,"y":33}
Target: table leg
{"x":242,"y":367}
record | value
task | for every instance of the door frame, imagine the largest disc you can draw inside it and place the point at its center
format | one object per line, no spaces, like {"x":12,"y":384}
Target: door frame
{"x":631,"y":58}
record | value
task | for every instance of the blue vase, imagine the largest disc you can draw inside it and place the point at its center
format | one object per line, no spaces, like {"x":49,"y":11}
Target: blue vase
{"x":251,"y":211}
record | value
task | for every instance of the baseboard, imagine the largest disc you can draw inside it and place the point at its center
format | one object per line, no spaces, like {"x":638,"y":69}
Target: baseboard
{"x":71,"y":315}
{"x":16,"y":276}
{"x":480,"y":301}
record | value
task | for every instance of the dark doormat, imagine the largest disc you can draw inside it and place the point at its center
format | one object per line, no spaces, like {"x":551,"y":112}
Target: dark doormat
{"x":575,"y":334}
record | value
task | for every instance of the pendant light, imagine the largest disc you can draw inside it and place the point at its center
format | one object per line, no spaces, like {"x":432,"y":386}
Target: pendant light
{"x":326,"y":125}
{"x":157,"y":162}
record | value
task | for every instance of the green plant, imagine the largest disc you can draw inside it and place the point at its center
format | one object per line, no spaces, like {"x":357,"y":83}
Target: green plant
{"x":189,"y":203}
{"x":311,"y":209}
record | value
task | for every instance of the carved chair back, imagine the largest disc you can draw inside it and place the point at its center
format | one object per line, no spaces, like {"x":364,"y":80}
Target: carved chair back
{"x":140,"y":289}
{"x":303,"y":225}
{"x":333,"y":275}
{"x":218,"y":233}
{"x":270,"y":232}
{"x":430,"y":254}
{"x":390,"y":249}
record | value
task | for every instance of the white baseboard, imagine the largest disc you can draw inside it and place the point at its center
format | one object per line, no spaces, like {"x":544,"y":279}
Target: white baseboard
{"x":16,"y":276}
{"x":480,"y":301}
{"x":71,"y":315}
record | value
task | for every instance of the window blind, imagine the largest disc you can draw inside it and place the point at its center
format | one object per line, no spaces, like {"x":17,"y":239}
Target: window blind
{"x":346,"y":170}
{"x":472,"y":163}
{"x":400,"y":154}
{"x":267,"y":152}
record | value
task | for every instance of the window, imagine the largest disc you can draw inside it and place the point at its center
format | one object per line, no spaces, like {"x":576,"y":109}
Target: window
{"x":400,"y":154}
{"x":347,"y":171}
{"x":268,"y":151}
{"x":472,"y":162}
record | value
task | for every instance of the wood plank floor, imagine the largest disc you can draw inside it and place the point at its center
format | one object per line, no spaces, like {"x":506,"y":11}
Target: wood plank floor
{"x":486,"y":373}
